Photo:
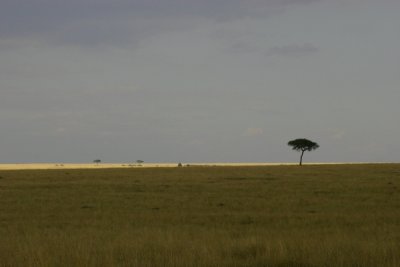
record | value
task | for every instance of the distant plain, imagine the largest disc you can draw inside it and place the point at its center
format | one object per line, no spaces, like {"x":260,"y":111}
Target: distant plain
{"x":314,"y":215}
{"x":106,"y":165}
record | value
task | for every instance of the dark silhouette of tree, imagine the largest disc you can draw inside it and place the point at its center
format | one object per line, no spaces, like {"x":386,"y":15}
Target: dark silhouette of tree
{"x":97,"y":161}
{"x":302,"y":145}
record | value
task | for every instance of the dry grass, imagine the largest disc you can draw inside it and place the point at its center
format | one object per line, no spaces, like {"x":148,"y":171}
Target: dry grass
{"x":333,"y":215}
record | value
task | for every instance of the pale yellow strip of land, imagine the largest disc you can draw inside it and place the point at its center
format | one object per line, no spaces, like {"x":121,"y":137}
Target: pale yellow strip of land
{"x":48,"y":166}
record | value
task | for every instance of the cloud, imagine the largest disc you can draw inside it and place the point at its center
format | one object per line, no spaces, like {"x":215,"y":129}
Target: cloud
{"x":337,"y":134}
{"x":294,"y":49}
{"x":252,"y":132}
{"x":90,"y":22}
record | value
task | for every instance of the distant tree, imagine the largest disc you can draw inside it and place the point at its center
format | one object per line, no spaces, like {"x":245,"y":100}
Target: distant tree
{"x":97,"y":161}
{"x":302,"y":145}
{"x":139,"y":161}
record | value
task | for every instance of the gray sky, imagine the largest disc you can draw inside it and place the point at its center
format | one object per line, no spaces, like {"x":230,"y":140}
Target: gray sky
{"x":199,"y":80}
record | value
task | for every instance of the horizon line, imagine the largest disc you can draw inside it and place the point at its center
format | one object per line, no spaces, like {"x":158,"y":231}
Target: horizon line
{"x":105,"y":165}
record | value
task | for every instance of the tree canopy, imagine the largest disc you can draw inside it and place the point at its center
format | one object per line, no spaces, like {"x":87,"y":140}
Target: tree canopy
{"x":302,"y":145}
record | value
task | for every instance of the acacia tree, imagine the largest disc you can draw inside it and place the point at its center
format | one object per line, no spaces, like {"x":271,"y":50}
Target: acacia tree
{"x":302,"y":145}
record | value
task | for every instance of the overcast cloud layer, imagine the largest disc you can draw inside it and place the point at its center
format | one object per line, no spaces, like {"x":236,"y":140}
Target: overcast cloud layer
{"x":199,"y":81}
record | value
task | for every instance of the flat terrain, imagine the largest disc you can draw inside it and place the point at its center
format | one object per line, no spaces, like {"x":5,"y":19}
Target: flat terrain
{"x":316,"y":215}
{"x":61,"y":166}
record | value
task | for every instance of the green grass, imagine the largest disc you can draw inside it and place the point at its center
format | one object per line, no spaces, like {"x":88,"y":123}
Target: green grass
{"x":328,"y":215}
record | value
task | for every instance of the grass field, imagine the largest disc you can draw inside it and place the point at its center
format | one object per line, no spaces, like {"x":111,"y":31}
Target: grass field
{"x":326,"y":215}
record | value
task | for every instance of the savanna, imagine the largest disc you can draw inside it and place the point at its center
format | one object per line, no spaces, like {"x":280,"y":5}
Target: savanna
{"x":325,"y":215}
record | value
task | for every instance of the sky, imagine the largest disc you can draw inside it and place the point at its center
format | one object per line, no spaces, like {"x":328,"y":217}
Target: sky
{"x":199,"y":80}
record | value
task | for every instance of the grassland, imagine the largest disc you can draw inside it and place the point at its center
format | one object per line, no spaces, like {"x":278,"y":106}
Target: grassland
{"x":327,"y":215}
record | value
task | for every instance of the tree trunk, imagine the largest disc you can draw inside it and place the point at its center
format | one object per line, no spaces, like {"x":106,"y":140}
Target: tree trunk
{"x":301,"y":157}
